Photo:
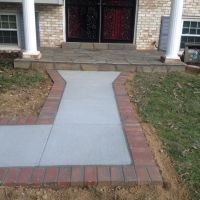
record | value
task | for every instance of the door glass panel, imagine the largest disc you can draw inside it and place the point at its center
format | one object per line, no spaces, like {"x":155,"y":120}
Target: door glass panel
{"x":83,"y":23}
{"x":118,"y":2}
{"x":82,"y":2}
{"x":116,"y":18}
{"x":117,"y":24}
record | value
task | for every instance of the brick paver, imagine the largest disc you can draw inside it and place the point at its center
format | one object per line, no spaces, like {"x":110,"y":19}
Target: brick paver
{"x":64,"y":177}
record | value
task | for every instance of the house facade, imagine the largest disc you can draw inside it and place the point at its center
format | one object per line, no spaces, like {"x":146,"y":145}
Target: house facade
{"x":142,"y":23}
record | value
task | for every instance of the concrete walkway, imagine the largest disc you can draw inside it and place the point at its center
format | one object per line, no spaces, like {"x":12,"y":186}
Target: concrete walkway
{"x":87,"y":129}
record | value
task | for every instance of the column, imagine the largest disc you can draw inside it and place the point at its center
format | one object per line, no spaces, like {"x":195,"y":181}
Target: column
{"x":175,"y":30}
{"x":30,"y":30}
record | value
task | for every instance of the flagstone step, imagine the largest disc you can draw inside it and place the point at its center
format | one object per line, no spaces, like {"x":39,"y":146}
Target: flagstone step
{"x":100,"y":60}
{"x":137,"y":67}
{"x":98,"y":46}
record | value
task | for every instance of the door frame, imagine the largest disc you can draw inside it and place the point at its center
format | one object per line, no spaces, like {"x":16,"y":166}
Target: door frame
{"x":134,"y":25}
{"x":136,"y":22}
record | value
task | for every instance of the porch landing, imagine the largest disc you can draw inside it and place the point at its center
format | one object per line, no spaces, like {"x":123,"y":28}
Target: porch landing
{"x":100,"y":60}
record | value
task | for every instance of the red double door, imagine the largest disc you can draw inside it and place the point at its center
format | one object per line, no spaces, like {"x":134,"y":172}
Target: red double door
{"x":100,"y":20}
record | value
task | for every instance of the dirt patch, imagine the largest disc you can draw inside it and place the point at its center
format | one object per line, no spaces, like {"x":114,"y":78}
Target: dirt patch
{"x":87,"y":193}
{"x":24,"y":101}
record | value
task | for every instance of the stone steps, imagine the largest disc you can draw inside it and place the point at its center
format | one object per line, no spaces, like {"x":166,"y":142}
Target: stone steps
{"x":72,"y":56}
{"x":137,"y":67}
{"x":98,"y":46}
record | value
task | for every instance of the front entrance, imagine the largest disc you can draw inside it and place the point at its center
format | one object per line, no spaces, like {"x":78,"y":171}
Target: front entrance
{"x":100,"y":20}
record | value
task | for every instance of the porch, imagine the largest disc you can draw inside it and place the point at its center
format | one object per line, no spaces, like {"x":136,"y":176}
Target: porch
{"x":31,"y":49}
{"x":89,"y":57}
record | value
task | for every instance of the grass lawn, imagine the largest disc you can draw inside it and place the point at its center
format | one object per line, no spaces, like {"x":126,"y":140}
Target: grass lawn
{"x":171,"y":103}
{"x":22,"y":92}
{"x":10,"y":78}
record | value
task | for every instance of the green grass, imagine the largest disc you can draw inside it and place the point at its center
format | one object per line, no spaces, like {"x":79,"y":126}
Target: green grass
{"x":171,"y":103}
{"x":12,"y":79}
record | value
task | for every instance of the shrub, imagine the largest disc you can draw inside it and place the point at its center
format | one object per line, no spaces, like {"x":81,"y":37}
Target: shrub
{"x":7,"y":58}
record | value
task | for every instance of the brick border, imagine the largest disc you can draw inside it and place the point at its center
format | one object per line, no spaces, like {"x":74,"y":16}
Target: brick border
{"x":142,"y":171}
{"x":50,"y":107}
{"x":146,"y":168}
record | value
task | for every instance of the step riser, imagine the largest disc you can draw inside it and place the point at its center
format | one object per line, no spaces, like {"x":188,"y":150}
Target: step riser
{"x":97,"y":67}
{"x":98,"y":46}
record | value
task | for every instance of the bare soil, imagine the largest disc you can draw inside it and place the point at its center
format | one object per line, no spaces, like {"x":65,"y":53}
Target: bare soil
{"x":173,"y":188}
{"x":87,"y":193}
{"x":24,"y":101}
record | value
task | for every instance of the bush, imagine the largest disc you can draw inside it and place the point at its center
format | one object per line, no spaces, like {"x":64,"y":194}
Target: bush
{"x":10,"y":55}
{"x":7,"y":58}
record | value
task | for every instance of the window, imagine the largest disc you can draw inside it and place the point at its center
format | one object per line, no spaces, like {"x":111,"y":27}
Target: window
{"x":8,"y":29}
{"x":190,"y":32}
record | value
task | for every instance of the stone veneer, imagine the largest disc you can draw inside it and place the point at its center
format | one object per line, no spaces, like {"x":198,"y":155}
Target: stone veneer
{"x":147,"y":27}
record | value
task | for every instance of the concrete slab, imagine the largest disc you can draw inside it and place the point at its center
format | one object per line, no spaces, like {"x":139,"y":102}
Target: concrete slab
{"x":89,"y":90}
{"x":87,"y":129}
{"x":80,"y":144}
{"x":88,"y":99}
{"x":87,"y":112}
{"x":87,"y":76}
{"x":22,"y":146}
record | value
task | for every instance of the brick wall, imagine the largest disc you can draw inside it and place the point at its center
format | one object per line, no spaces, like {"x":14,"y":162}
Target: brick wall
{"x":9,"y":7}
{"x":149,"y":19}
{"x":148,"y":23}
{"x":191,"y":8}
{"x":51,"y":19}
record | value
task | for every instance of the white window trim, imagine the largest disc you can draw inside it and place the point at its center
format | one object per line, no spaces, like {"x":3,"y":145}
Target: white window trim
{"x":12,"y":46}
{"x":195,"y":19}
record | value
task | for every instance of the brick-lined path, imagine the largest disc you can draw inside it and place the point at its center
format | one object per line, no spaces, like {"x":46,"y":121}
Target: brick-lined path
{"x":143,"y":169}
